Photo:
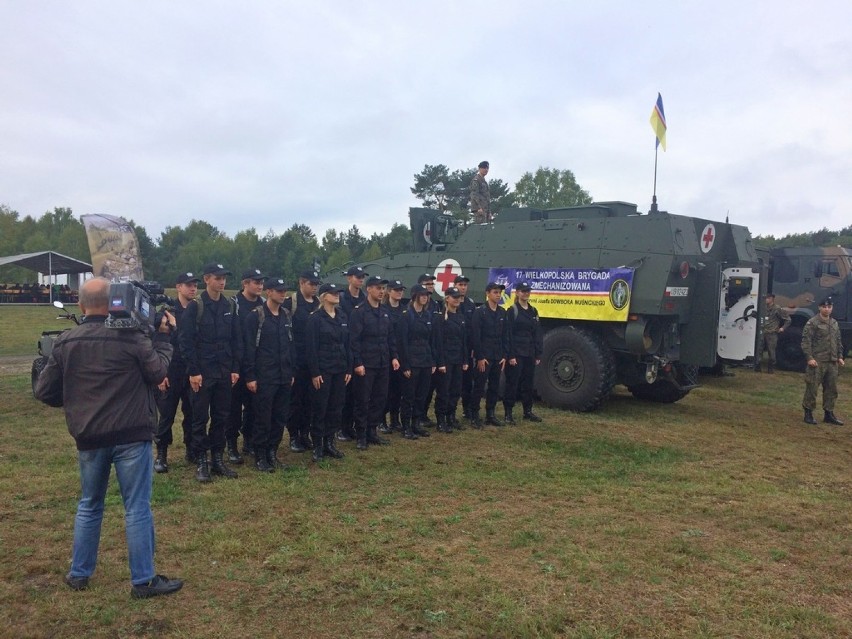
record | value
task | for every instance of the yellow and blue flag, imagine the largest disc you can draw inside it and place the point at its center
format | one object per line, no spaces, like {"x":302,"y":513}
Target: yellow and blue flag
{"x":658,"y":122}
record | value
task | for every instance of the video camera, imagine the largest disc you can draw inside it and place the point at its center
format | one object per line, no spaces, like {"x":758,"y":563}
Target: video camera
{"x":133,"y":304}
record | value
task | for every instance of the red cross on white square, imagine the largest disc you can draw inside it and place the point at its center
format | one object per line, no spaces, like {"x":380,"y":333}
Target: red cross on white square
{"x":708,"y":238}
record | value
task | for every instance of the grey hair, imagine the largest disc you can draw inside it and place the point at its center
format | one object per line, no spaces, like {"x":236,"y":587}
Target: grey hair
{"x":94,"y":295}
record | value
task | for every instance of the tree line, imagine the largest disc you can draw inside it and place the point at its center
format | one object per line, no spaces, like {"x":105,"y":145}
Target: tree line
{"x":187,"y":247}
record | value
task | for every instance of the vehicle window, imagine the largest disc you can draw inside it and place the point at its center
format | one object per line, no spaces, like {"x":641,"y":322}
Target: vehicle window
{"x":786,"y":270}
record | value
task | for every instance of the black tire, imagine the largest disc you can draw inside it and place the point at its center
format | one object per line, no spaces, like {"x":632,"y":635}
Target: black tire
{"x":666,"y":391}
{"x":577,"y":370}
{"x":788,"y":353}
{"x":38,"y":367}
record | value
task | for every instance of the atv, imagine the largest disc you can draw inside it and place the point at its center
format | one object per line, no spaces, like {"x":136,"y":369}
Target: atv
{"x":46,"y":341}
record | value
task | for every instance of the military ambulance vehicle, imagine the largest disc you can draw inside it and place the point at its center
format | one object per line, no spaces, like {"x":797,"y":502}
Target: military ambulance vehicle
{"x":626,"y":298}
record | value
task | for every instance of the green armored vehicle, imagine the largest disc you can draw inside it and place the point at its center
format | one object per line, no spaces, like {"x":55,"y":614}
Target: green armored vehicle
{"x":642,"y":300}
{"x":800,"y":278}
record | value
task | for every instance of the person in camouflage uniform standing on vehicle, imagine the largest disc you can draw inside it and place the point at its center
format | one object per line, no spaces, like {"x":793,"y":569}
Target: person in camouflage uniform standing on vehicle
{"x":774,"y":322}
{"x":480,"y":197}
{"x":823,"y":349}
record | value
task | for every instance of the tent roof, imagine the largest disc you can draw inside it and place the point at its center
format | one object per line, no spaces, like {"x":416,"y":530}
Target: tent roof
{"x":47,"y":262}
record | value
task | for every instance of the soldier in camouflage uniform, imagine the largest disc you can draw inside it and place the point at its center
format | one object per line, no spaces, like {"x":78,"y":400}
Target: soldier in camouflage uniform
{"x":774,"y":322}
{"x":822,"y":346}
{"x":480,"y":198}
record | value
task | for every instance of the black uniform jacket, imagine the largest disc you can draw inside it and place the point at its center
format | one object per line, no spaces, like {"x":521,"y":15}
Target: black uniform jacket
{"x":299,"y":317}
{"x":525,"y":331}
{"x":371,"y":336}
{"x":328,"y":343}
{"x":454,"y":333}
{"x":489,"y":334}
{"x":270,"y":359}
{"x":348,"y":302}
{"x":212,"y":345}
{"x":419,"y":339}
{"x":244,"y":307}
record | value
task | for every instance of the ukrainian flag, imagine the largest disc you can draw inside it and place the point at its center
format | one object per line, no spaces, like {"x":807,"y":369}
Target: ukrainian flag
{"x":658,"y":122}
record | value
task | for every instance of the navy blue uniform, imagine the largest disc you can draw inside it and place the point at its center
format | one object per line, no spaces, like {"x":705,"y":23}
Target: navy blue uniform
{"x":299,"y":423}
{"x":348,"y":302}
{"x":490,"y":341}
{"x":178,"y":392}
{"x":329,"y":356}
{"x":468,"y":306}
{"x":241,"y":419}
{"x":420,"y":351}
{"x":525,"y":346}
{"x":373,"y":346}
{"x":395,"y":378}
{"x":456,"y":353}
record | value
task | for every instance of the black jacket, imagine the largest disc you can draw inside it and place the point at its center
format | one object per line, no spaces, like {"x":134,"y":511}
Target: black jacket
{"x":454,"y":337}
{"x":268,"y":360}
{"x":525,"y":331}
{"x":348,"y":303}
{"x":419,"y":339}
{"x":489,"y":334}
{"x":212,"y":344}
{"x":371,"y":336}
{"x":105,"y":378}
{"x":299,"y":317}
{"x":328,"y":343}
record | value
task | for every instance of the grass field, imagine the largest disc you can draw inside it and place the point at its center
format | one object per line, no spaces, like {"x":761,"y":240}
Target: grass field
{"x":720,"y":516}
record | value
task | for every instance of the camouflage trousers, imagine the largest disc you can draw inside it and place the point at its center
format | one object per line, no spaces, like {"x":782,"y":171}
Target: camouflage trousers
{"x":768,"y":344}
{"x":825,"y":374}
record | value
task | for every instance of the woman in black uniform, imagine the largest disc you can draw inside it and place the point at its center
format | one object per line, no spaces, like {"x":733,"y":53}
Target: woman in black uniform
{"x":393,"y":304}
{"x":330,"y":364}
{"x":419,"y":350}
{"x":456,"y":355}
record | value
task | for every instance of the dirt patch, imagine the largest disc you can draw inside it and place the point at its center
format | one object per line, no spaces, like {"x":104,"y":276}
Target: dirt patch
{"x":16,"y":364}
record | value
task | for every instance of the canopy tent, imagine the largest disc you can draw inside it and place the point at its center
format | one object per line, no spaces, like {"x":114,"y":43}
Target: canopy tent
{"x":48,"y":262}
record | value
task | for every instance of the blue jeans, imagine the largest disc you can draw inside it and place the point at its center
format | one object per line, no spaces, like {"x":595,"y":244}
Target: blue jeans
{"x":134,"y":469}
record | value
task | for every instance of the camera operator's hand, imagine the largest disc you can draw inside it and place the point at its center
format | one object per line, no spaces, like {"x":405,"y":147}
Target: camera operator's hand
{"x":171,"y":318}
{"x":164,"y":323}
{"x":195,"y":382}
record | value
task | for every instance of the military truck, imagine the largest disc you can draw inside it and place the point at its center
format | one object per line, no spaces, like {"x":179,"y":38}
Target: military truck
{"x":800,"y":278}
{"x":626,"y":298}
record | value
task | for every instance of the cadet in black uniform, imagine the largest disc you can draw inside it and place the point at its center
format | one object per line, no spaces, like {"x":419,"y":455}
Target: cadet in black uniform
{"x":419,"y":348}
{"x":373,"y":355}
{"x":330,"y":363}
{"x":393,"y":303}
{"x":525,"y":348}
{"x":467,"y":306}
{"x":490,"y":345}
{"x":241,"y":419}
{"x":456,"y":357}
{"x":435,"y":307}
{"x":351,"y":297}
{"x":300,"y":305}
{"x":268,"y":366}
{"x":175,"y":388}
{"x":211,"y":343}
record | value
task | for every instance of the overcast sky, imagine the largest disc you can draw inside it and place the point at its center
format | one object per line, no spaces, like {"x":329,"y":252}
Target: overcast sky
{"x":271,"y":113}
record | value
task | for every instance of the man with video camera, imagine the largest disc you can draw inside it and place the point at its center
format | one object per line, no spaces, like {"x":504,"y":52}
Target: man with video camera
{"x":105,"y":379}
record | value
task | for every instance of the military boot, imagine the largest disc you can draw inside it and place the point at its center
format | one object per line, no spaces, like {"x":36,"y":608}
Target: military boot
{"x":330,"y":448}
{"x":234,"y":452}
{"x":161,"y":464}
{"x":395,"y":424}
{"x":757,"y":368}
{"x":202,"y":473}
{"x":475,"y":422}
{"x":261,"y":461}
{"x":831,"y":418}
{"x":809,"y":416}
{"x":218,"y":467}
{"x":408,"y":429}
{"x":453,"y":421}
{"x":417,"y":427}
{"x":443,"y":424}
{"x":530,"y":416}
{"x":491,"y":419}
{"x":384,"y":427}
{"x":272,"y":457}
{"x":319,"y":452}
{"x":373,"y":437}
{"x":296,"y":444}
{"x":508,"y":417}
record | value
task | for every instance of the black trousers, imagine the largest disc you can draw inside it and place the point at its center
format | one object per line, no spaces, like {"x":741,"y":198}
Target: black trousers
{"x":178,"y":392}
{"x":213,"y":402}
{"x":347,"y":415}
{"x":467,"y":384}
{"x":299,"y":421}
{"x":519,"y":383}
{"x":327,"y":406}
{"x":449,"y":390}
{"x":490,"y":378}
{"x":395,"y":381}
{"x":415,"y":389}
{"x":370,"y":392}
{"x":241,"y":419}
{"x":271,"y":408}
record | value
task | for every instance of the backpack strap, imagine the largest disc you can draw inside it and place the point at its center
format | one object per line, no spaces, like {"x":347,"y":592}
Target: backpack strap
{"x":261,"y":316}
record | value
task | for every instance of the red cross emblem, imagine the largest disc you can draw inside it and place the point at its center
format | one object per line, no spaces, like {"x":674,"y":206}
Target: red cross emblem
{"x":445,"y":274}
{"x":708,"y":238}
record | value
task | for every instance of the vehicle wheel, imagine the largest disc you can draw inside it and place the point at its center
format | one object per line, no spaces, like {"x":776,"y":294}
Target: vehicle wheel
{"x":666,"y":391}
{"x":577,"y":370}
{"x":788,"y":353}
{"x":38,"y":367}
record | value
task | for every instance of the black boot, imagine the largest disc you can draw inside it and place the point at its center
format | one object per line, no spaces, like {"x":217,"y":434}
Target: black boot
{"x":395,"y":424}
{"x":272,"y":457}
{"x":261,"y":461}
{"x":417,"y":428}
{"x":453,"y":421}
{"x":373,"y":437}
{"x":443,"y":424}
{"x":831,"y":418}
{"x":218,"y":467}
{"x":330,"y":448}
{"x":161,"y":464}
{"x":234,"y":452}
{"x":475,"y":422}
{"x":509,"y":418}
{"x":770,"y":367}
{"x":531,"y":416}
{"x":408,"y":429}
{"x":189,"y":455}
{"x":345,"y":435}
{"x":319,"y":452}
{"x":305,"y":441}
{"x":491,"y":418}
{"x":809,"y":416}
{"x":384,"y":427}
{"x":202,"y":473}
{"x":248,"y":448}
